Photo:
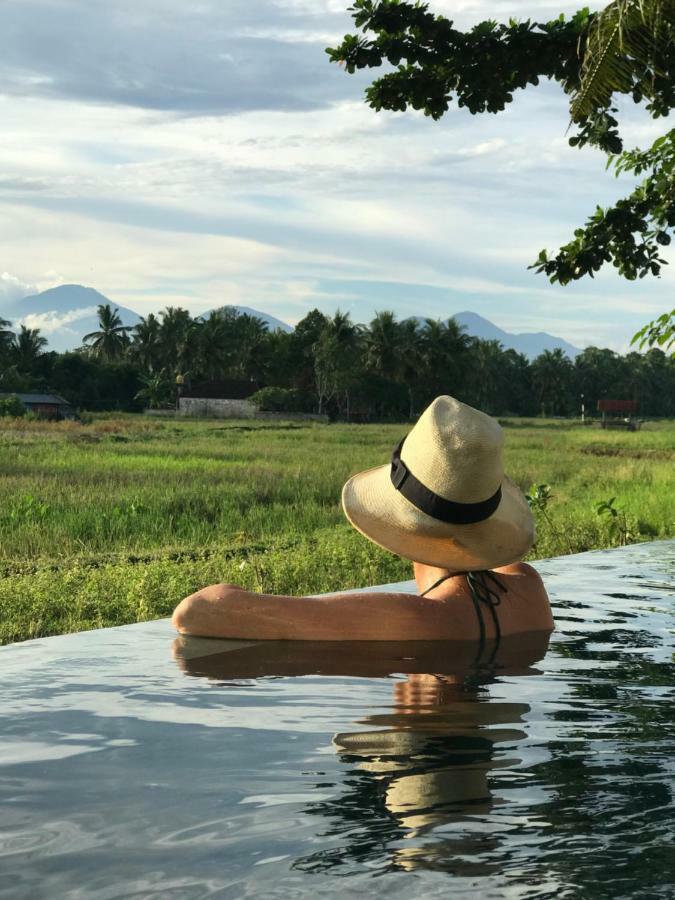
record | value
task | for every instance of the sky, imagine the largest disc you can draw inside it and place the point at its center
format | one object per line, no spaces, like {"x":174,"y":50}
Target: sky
{"x":207,"y":153}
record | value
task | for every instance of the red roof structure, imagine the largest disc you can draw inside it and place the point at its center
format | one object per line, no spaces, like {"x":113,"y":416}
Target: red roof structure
{"x":622,"y":414}
{"x":624,"y":406}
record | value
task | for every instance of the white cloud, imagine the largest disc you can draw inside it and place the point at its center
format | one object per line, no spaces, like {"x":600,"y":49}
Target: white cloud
{"x":50,"y":321}
{"x":281,"y":189}
{"x":13,"y":289}
{"x":144,"y":268}
{"x":163,"y":55}
{"x":290,"y":35}
{"x":468,"y":12}
{"x":484,"y":147}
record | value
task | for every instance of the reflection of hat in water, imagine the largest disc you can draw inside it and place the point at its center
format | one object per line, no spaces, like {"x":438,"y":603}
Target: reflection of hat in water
{"x":444,"y":499}
{"x":433,"y":775}
{"x":402,"y":749}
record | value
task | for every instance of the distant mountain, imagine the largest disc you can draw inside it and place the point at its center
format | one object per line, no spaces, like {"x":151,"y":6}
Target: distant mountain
{"x":272,"y":322}
{"x":64,"y":314}
{"x":530,"y":344}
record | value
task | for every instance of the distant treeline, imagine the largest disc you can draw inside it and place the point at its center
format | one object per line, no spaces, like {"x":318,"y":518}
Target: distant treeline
{"x":388,"y":369}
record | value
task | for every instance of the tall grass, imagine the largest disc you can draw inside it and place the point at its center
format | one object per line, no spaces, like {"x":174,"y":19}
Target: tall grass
{"x":115,"y":521}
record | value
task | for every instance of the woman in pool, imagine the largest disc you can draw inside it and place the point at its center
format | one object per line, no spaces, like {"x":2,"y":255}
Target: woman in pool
{"x":443,"y":502}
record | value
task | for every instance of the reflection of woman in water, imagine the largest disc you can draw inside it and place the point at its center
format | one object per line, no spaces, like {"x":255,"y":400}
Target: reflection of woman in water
{"x":444,"y":502}
{"x":415,"y":774}
{"x":432,"y":763}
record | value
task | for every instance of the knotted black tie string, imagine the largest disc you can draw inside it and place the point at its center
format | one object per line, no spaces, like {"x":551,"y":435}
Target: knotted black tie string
{"x":483,"y":587}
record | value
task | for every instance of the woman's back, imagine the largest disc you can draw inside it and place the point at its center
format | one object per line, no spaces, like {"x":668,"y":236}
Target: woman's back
{"x":522,"y":606}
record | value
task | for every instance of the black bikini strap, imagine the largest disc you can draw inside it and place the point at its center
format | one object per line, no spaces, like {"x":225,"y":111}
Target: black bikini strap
{"x":436,"y":583}
{"x":483,"y":587}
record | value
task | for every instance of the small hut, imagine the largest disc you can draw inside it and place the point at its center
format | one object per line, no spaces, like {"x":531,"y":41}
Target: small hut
{"x":618,"y":414}
{"x":47,"y":406}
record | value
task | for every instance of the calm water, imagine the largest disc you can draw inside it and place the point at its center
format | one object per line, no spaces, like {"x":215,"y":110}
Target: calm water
{"x":131,"y":766}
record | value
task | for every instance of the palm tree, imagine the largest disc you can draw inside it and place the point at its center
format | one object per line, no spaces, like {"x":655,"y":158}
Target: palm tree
{"x":5,"y":333}
{"x":146,"y":343}
{"x":335,"y":360}
{"x":632,"y":384}
{"x":434,"y":355}
{"x":597,"y":373}
{"x":112,"y":340}
{"x":6,"y":336}
{"x":189,"y":354}
{"x":343,"y":329}
{"x":624,"y":47}
{"x":348,"y":340}
{"x":214,"y":341}
{"x":27,"y":348}
{"x":445,"y":347}
{"x":514,"y":384}
{"x":10,"y":377}
{"x":655,"y":368}
{"x":175,"y":336}
{"x":250,"y":335}
{"x":156,"y":389}
{"x":304,"y":337}
{"x":383,"y":345}
{"x":458,"y":343}
{"x":487,"y":356}
{"x":412,"y":359}
{"x":552,"y":378}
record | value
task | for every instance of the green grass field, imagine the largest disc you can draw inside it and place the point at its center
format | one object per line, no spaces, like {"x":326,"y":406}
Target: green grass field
{"x":115,"y":521}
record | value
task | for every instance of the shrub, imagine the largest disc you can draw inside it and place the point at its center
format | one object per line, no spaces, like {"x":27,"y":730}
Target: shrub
{"x":277,"y":399}
{"x":12,"y":406}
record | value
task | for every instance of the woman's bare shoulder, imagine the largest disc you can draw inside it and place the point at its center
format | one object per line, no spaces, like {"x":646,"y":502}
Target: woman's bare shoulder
{"x":523,"y":578}
{"x":519,"y":568}
{"x":528,"y":596}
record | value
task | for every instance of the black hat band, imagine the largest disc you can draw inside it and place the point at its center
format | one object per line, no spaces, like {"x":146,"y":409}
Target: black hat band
{"x":432,"y":504}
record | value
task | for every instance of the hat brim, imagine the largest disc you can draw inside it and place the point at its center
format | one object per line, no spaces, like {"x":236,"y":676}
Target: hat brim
{"x":383,"y":515}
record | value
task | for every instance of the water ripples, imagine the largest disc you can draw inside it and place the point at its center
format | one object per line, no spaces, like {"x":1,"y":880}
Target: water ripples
{"x":269,"y":771}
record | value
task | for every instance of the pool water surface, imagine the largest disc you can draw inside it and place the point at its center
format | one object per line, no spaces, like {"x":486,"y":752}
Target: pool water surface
{"x":137,"y":764}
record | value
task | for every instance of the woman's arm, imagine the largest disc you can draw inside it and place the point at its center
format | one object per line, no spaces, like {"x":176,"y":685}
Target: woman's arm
{"x":229,"y":611}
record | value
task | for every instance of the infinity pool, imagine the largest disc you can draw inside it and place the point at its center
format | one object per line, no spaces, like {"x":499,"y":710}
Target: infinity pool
{"x":136,"y":765}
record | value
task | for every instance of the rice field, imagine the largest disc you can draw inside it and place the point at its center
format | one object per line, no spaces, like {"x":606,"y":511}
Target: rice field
{"x":115,"y":521}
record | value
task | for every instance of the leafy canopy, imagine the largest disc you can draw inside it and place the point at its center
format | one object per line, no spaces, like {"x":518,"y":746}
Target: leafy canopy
{"x":627,"y":48}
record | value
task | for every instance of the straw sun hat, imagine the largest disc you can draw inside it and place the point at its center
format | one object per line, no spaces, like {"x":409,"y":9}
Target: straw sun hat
{"x":444,"y":499}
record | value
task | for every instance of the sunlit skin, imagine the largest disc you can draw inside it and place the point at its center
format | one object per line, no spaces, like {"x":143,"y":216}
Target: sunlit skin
{"x":447,"y":613}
